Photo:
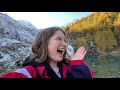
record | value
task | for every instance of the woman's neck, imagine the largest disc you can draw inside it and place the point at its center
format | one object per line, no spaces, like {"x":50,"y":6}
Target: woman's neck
{"x":53,"y":64}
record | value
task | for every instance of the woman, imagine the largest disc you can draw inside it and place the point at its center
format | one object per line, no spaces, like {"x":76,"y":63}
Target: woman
{"x":48,"y":58}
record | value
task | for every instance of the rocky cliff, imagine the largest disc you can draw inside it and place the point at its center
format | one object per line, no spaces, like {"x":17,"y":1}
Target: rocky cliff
{"x":15,"y":39}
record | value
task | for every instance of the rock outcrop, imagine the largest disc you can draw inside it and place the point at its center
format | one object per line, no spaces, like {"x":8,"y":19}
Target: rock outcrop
{"x":15,"y":39}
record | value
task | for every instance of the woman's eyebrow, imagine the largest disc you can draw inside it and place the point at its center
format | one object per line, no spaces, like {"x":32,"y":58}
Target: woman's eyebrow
{"x":61,"y":37}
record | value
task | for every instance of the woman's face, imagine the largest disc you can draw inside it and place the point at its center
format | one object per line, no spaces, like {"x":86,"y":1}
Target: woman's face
{"x":57,"y":46}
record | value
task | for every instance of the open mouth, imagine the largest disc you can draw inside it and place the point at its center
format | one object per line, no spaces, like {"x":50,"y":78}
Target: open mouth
{"x":61,"y":51}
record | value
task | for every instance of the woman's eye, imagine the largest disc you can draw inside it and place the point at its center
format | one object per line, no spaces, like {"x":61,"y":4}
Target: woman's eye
{"x":65,"y":40}
{"x":59,"y":39}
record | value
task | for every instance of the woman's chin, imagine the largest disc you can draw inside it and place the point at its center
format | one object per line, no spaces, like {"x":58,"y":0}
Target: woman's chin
{"x":59,"y":59}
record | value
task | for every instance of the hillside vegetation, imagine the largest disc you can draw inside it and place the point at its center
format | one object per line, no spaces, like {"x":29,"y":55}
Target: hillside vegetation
{"x":101,"y":28}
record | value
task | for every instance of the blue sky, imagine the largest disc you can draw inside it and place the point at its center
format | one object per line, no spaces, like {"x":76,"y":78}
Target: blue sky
{"x":46,"y":19}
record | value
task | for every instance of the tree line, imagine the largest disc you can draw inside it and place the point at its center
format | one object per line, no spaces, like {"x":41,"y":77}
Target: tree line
{"x":101,"y":28}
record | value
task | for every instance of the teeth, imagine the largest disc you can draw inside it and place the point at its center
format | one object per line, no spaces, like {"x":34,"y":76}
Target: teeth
{"x":62,"y":49}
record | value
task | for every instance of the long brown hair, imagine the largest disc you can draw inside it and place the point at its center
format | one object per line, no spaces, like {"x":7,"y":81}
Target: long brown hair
{"x":40,"y":44}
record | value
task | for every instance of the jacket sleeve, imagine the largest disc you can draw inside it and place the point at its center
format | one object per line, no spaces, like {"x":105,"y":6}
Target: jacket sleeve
{"x":78,"y":69}
{"x":25,"y":72}
{"x":13,"y":75}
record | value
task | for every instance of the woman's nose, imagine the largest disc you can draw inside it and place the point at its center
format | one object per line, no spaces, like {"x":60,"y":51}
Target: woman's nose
{"x":64,"y":43}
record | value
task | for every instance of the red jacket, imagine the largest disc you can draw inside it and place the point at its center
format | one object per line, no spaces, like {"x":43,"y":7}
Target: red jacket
{"x":75,"y":69}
